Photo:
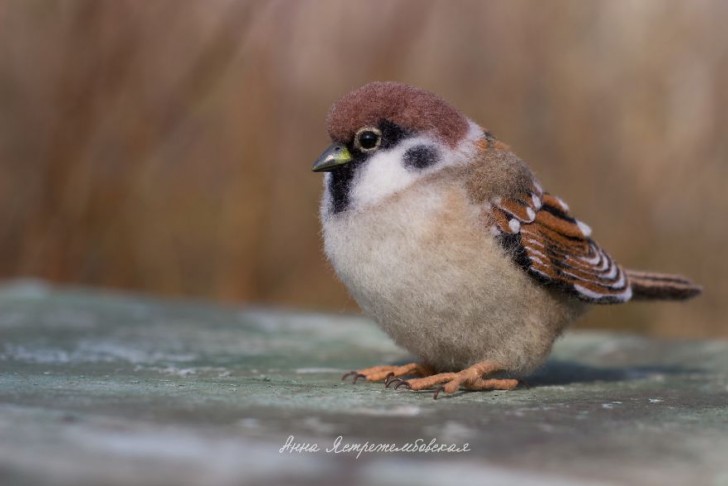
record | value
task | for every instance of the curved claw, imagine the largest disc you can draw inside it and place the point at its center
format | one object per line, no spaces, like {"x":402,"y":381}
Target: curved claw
{"x":347,"y":375}
{"x":357,"y":376}
{"x":389,"y":378}
{"x":392,"y":381}
{"x":437,"y":391}
{"x":402,"y":383}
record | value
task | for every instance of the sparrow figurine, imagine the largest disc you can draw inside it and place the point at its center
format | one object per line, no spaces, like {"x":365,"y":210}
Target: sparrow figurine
{"x":445,"y":238}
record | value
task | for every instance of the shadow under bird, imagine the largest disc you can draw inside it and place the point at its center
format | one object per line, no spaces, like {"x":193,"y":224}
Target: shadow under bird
{"x":445,"y":238}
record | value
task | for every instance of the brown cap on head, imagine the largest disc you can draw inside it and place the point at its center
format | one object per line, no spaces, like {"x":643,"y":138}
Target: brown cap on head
{"x":409,"y":107}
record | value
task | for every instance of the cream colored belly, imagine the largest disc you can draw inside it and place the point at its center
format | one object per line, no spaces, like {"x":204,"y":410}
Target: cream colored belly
{"x":433,"y":277}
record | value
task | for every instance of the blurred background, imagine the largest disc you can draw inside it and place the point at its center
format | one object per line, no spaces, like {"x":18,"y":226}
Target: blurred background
{"x":165,"y":147}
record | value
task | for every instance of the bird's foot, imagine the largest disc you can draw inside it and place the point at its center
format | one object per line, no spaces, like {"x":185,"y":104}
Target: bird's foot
{"x":471,"y":378}
{"x":387,"y":373}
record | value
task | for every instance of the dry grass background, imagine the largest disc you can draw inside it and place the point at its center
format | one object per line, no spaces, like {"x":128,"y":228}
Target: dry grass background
{"x":165,"y":146}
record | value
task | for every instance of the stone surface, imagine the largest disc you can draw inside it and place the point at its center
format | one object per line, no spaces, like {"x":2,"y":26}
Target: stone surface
{"x":119,"y":389}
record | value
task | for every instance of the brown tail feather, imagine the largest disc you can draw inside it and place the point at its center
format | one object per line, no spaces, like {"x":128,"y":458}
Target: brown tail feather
{"x":660,"y":286}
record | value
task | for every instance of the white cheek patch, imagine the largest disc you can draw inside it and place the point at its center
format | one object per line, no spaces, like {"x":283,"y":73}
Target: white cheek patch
{"x":382,"y":177}
{"x":384,"y":174}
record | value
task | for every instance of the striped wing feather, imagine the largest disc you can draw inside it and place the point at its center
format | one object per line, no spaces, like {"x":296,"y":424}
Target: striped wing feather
{"x":556,"y":249}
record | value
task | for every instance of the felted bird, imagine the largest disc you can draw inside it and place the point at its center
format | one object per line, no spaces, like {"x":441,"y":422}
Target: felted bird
{"x":445,"y":237}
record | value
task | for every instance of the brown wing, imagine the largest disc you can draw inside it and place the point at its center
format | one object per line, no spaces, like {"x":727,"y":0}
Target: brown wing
{"x":555,"y":248}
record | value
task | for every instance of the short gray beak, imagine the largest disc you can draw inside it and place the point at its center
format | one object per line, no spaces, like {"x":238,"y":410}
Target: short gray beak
{"x":333,"y":157}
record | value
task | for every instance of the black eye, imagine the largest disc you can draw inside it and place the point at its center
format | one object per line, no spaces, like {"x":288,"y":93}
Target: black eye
{"x":368,"y":139}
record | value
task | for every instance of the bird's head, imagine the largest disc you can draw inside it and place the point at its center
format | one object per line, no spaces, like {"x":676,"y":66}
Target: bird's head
{"x":385,"y":137}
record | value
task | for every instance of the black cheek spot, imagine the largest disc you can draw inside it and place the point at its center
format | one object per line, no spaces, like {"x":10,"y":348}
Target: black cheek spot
{"x":420,"y":157}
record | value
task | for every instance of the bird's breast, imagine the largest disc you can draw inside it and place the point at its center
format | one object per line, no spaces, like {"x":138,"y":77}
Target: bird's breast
{"x":422,"y":249}
{"x":425,"y":267}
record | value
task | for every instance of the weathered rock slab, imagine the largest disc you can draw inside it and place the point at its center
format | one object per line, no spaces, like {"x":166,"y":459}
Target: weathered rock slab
{"x":99,"y":388}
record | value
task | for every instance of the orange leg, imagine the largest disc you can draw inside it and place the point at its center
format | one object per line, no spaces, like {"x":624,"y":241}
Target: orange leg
{"x":472,"y":378}
{"x":388,"y":372}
